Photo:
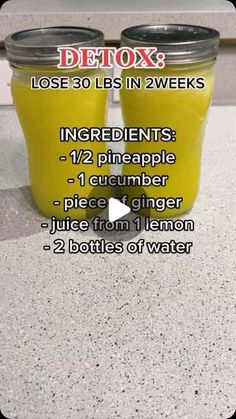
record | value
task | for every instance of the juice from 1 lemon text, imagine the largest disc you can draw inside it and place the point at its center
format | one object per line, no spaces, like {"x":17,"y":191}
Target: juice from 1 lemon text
{"x":185,"y":112}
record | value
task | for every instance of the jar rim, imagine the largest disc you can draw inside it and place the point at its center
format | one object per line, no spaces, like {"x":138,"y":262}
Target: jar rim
{"x":39,"y":46}
{"x":180,"y":43}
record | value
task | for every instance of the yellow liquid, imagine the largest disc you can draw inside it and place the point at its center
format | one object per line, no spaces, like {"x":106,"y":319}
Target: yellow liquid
{"x":185,"y":112}
{"x":41,"y":114}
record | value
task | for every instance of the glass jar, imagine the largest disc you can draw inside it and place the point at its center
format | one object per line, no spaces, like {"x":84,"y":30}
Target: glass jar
{"x":190,"y":52}
{"x":43,"y":112}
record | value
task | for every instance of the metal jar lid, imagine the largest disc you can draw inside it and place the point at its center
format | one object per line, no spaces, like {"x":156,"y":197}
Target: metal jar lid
{"x":38,"y":47}
{"x":179,"y":43}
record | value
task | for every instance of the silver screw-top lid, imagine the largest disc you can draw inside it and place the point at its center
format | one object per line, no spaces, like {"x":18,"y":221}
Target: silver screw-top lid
{"x":38,"y":47}
{"x":179,"y":43}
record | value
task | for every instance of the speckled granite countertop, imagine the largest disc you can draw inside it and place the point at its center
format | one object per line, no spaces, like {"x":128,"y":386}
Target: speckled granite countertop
{"x":112,"y":23}
{"x":119,"y":336}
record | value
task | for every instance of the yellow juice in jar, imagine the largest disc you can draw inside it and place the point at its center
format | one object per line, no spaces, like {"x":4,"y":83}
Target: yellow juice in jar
{"x":42,"y":113}
{"x":185,"y":112}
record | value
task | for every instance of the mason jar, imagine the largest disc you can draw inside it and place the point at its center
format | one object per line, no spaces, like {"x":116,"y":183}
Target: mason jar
{"x":55,"y":166}
{"x":190,"y":54}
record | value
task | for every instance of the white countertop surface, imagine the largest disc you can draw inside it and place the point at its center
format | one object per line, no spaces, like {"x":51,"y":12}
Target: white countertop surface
{"x":119,"y":336}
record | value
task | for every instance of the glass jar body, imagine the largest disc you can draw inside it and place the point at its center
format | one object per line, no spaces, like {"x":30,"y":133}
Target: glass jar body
{"x":42,"y":112}
{"x":182,"y":110}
